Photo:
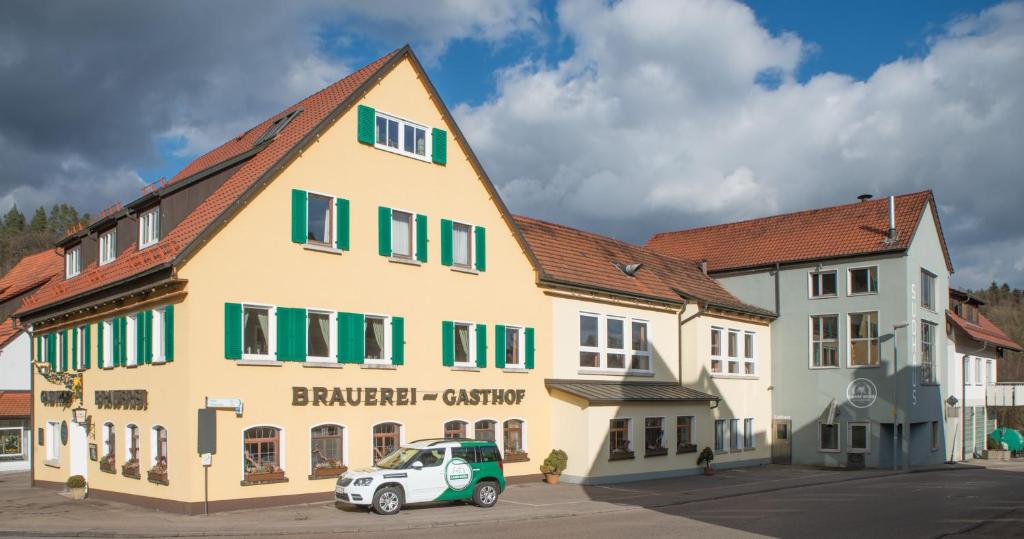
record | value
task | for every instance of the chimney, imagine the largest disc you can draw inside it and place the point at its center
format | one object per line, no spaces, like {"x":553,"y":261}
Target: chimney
{"x":704,"y":266}
{"x":892,"y":218}
{"x":865,"y":197}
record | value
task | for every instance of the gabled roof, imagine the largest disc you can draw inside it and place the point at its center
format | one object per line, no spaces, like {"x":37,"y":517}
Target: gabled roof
{"x":30,"y":272}
{"x":597,"y":392}
{"x":984,"y":331}
{"x":839,"y":231}
{"x":15,"y":404}
{"x":318,"y":112}
{"x":572,"y":257}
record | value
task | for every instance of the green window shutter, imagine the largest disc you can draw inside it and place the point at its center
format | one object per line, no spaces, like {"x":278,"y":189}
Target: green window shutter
{"x":499,"y":346}
{"x":169,"y":333}
{"x":397,"y":340}
{"x":365,"y":130}
{"x":481,"y":248}
{"x":528,"y":337}
{"x":99,"y":344}
{"x":384,"y":231}
{"x":291,"y":334}
{"x":343,"y":213}
{"x":298,"y":216}
{"x":350,"y":334}
{"x":70,"y":363}
{"x":421,"y":238}
{"x":87,"y":342}
{"x":481,"y":346}
{"x":447,"y":343}
{"x":299,"y":337}
{"x":51,"y":351}
{"x":446,"y":242}
{"x":233,"y":330}
{"x":439,"y":146}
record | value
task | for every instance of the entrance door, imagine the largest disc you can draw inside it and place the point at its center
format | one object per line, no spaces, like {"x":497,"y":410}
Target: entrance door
{"x":782,"y":442}
{"x":79,"y":450}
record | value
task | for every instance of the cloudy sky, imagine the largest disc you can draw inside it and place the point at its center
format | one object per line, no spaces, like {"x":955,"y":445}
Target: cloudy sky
{"x":624,"y":117}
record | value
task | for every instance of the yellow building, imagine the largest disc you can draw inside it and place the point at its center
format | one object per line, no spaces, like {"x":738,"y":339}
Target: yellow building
{"x":338,"y":280}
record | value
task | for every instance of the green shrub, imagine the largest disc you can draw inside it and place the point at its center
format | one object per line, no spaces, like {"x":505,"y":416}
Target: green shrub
{"x":994,"y":445}
{"x":76,"y":481}
{"x":705,"y":457}
{"x":556,"y":462}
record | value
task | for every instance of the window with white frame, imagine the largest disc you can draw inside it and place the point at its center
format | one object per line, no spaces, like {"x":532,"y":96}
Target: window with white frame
{"x":641,"y":346}
{"x":749,"y":360}
{"x":654,"y":437}
{"x":863,"y":280}
{"x":748,"y":433}
{"x":108,"y":246}
{"x":514,"y":438}
{"x":859,"y":437}
{"x":402,"y":136}
{"x":615,"y":343}
{"x":603,"y":341}
{"x":828,"y":437}
{"x":256,"y":331}
{"x":991,"y":371}
{"x":927,"y":289}
{"x":319,"y":219}
{"x":464,"y":349}
{"x":928,"y":374}
{"x":319,"y":329}
{"x":157,"y":338}
{"x":514,"y":347}
{"x":455,"y":430}
{"x":79,"y":357}
{"x":590,"y":347}
{"x":72,"y":261}
{"x":823,"y":284}
{"x":486,"y":430}
{"x":733,"y":351}
{"x":685,"y":428}
{"x":158,"y":449}
{"x":734,"y":434}
{"x":107,"y":327}
{"x":149,"y":227}
{"x":719,"y":435}
{"x":327,"y":454}
{"x":462,"y":245}
{"x":375,"y":329}
{"x":864,"y":344}
{"x":620,"y":439}
{"x":53,"y":442}
{"x":979,"y":371}
{"x":716,"y":350}
{"x":825,"y":341}
{"x":132,"y":358}
{"x":967,"y":370}
{"x":402,"y":234}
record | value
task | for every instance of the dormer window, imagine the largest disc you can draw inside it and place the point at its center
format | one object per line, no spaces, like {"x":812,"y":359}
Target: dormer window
{"x":108,"y":246}
{"x":73,"y":261}
{"x":149,"y":227}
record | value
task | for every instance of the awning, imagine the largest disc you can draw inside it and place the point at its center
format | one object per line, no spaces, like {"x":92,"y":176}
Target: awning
{"x":612,"y":392}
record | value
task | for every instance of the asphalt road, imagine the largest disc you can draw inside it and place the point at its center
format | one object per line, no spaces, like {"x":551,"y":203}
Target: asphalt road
{"x":974,"y":503}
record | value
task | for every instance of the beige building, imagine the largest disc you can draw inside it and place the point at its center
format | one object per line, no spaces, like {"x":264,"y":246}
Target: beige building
{"x":651,"y":360}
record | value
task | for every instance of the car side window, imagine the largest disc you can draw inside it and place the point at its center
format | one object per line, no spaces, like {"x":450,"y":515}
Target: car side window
{"x":467,"y":454}
{"x":488,"y":453}
{"x":431,"y":457}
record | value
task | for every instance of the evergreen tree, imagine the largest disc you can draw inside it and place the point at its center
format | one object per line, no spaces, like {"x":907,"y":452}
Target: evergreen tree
{"x":14,"y":222}
{"x":39,"y":222}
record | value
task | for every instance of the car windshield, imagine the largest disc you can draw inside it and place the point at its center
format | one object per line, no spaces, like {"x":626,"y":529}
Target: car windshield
{"x":398,"y":458}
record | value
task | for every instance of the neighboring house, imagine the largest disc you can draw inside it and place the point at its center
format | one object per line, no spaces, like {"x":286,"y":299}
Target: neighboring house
{"x":652,"y":360}
{"x":344,"y":273}
{"x":975,"y":348}
{"x":859,"y":289}
{"x":30,"y":273}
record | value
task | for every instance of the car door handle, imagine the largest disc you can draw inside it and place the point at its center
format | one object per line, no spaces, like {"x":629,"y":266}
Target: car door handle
{"x":476,"y":469}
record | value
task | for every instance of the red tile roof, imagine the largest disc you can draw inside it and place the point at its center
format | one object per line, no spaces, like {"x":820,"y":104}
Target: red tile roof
{"x":839,"y":231}
{"x":133,"y":262}
{"x":984,"y":331}
{"x":8,"y":331}
{"x":15,"y":404}
{"x":30,"y":272}
{"x":573,"y":257}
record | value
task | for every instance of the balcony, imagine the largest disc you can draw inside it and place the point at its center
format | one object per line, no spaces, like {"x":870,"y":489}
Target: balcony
{"x":1005,"y":394}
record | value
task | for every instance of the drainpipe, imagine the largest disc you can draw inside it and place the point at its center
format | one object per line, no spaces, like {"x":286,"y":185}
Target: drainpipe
{"x":679,"y":341}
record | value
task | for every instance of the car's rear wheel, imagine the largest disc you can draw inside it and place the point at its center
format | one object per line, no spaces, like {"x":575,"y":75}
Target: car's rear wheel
{"x":387,"y":501}
{"x":485,"y":494}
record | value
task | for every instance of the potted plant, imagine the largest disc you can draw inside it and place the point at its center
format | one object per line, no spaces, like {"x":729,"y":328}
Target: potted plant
{"x":705,"y":458}
{"x":107,"y":464}
{"x":263,"y":472}
{"x":554,"y":465}
{"x":76,"y":486}
{"x":329,"y":468}
{"x":158,"y":474}
{"x":516,"y":455}
{"x":131,"y":469}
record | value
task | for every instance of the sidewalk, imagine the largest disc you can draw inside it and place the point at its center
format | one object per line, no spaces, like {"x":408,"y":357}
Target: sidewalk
{"x":40,"y":512}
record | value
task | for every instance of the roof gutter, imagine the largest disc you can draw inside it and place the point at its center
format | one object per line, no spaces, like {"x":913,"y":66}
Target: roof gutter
{"x":544,"y":279}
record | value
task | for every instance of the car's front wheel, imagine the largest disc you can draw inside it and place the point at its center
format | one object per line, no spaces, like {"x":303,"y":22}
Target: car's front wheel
{"x":387,"y":501}
{"x":485,"y":494}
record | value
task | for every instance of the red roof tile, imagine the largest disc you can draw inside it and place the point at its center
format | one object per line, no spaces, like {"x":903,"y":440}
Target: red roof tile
{"x":574,"y":257}
{"x":30,"y":272}
{"x":15,"y":404}
{"x":984,"y":331}
{"x":847,"y":230}
{"x":133,"y":262}
{"x":8,"y":331}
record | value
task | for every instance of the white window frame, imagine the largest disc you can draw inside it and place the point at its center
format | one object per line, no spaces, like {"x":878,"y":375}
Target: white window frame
{"x":850,"y":338}
{"x":105,"y":438}
{"x":979,"y":371}
{"x":469,"y":265}
{"x":73,"y":261}
{"x":131,"y":334}
{"x":522,"y":347}
{"x":732,"y":359}
{"x":412,"y":234}
{"x":149,"y":219}
{"x":929,"y":290}
{"x":501,"y":439}
{"x":812,"y":342}
{"x":849,"y":280}
{"x":626,"y":345}
{"x":752,"y":349}
{"x":630,"y":435}
{"x":816,"y":275}
{"x":332,"y":340}
{"x":52,"y":443}
{"x":664,"y":432}
{"x":400,"y":150}
{"x":78,"y":360}
{"x":990,"y":371}
{"x":332,"y":226}
{"x":128,"y":442}
{"x":930,"y":359}
{"x":153,"y":441}
{"x":645,"y":353}
{"x":720,"y":358}
{"x":839,"y":438}
{"x":271,"y":338}
{"x":735,"y":442}
{"x":401,"y":435}
{"x":281,"y":446}
{"x":344,"y":442}
{"x":724,"y":437}
{"x":471,"y":353}
{"x":157,"y":342}
{"x":589,"y":349}
{"x":968,"y":368}
{"x":602,"y":349}
{"x":386,"y":349}
{"x":107,"y":327}
{"x":849,"y":437}
{"x":58,"y":361}
{"x":108,"y":246}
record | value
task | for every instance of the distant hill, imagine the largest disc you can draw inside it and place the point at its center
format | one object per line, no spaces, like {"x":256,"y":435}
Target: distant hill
{"x":20,"y":236}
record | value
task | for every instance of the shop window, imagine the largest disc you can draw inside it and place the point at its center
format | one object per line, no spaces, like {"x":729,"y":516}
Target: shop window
{"x":619,"y":439}
{"x":514,"y":440}
{"x":654,"y":437}
{"x":859,"y":437}
{"x":256,"y":332}
{"x":109,"y":448}
{"x":828,"y":437}
{"x":825,"y":341}
{"x":158,"y":443}
{"x":864,"y":347}
{"x":387,"y":437}
{"x":716,"y":350}
{"x":685,"y":442}
{"x":719,"y":435}
{"x":327,"y":457}
{"x":10,"y":442}
{"x":484,"y":430}
{"x":455,"y":429}
{"x":130,"y":468}
{"x":262,"y":452}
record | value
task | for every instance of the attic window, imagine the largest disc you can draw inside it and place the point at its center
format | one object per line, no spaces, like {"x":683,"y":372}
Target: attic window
{"x":276,"y":127}
{"x":628,"y":269}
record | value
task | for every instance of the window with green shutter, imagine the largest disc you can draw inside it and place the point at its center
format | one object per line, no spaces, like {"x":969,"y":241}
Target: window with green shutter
{"x":448,"y":343}
{"x":74,"y":362}
{"x":384,"y":231}
{"x":365,"y":120}
{"x":343,"y":216}
{"x":529,"y":348}
{"x":421,"y":238}
{"x":463,"y":245}
{"x":480,"y":248}
{"x":481,"y":346}
{"x":350,"y":338}
{"x":439,"y":146}
{"x":291,"y":334}
{"x":446,"y":242}
{"x":64,"y":350}
{"x":87,"y":344}
{"x":298,"y":216}
{"x":168,"y":335}
{"x":233,"y":330}
{"x":397,"y":340}
{"x":499,"y":346}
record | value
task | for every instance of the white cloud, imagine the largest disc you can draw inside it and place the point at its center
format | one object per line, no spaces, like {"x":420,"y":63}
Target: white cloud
{"x":656,"y":122}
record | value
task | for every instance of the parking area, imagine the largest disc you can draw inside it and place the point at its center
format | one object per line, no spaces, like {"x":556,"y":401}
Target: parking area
{"x":26,"y":511}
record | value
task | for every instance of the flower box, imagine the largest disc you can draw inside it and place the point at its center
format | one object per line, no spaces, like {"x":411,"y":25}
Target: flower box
{"x":655,"y":451}
{"x":157,"y":476}
{"x":686,"y":448}
{"x":621,"y":454}
{"x":131,"y":469}
{"x":516,"y":456}
{"x":256,"y":477}
{"x":329,"y":471}
{"x":107,"y":465}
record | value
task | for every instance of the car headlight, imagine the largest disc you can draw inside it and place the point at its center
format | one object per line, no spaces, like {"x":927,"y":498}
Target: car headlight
{"x":363,"y":481}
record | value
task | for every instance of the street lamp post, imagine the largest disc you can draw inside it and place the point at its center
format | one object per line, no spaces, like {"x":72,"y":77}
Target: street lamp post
{"x":896,"y":392}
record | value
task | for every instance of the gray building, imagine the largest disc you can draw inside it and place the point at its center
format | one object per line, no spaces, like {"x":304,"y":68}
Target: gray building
{"x":860,"y":374}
